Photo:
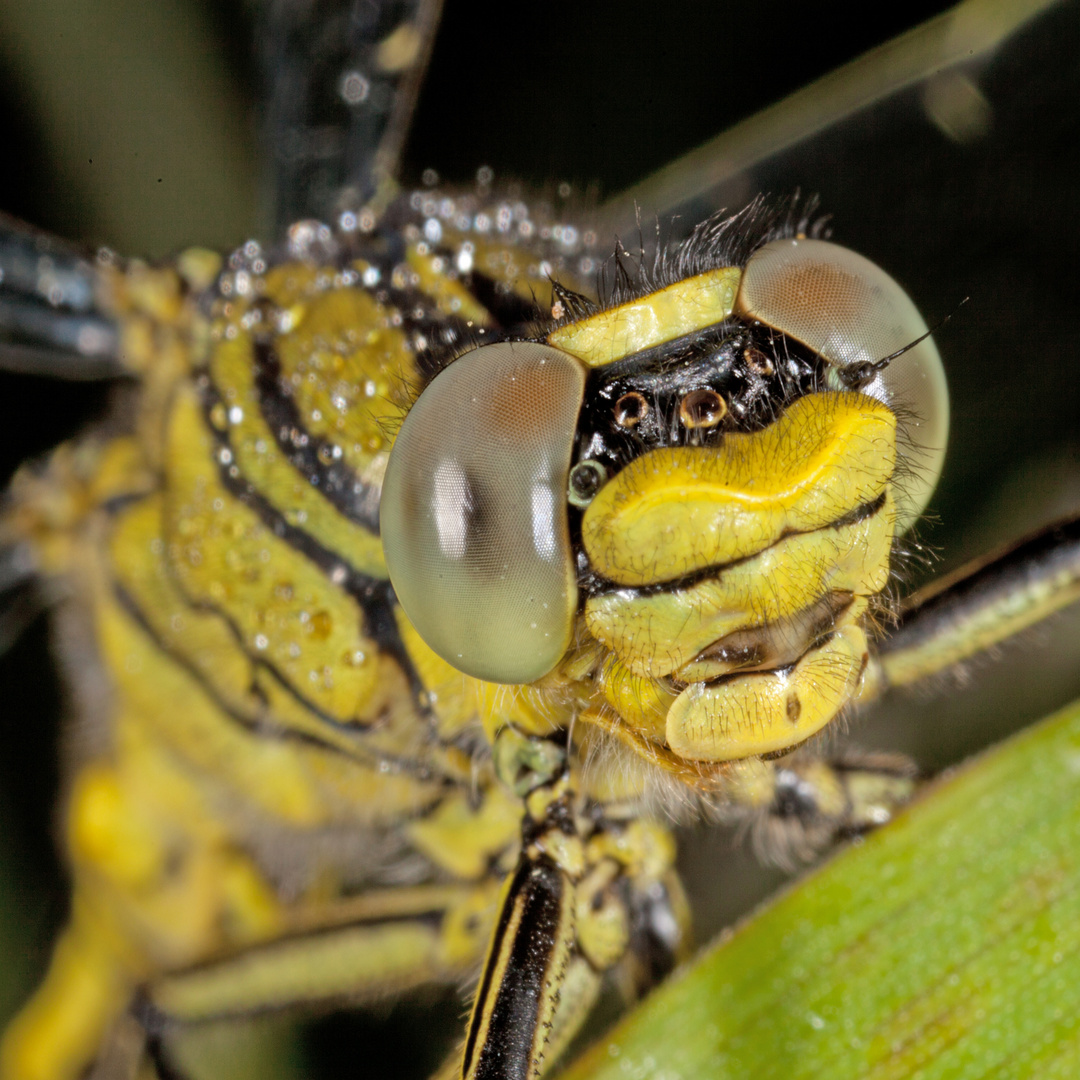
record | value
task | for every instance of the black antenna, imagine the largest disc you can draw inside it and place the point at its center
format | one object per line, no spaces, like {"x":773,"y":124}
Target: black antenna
{"x":856,"y":376}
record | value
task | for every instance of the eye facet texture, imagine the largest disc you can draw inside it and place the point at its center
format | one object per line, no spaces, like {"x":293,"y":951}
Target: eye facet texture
{"x":853,"y":314}
{"x":474,"y":513}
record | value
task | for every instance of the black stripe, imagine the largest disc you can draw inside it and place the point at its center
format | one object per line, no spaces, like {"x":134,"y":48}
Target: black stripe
{"x":312,"y":456}
{"x":375,"y":597}
{"x":436,"y":339}
{"x":509,"y":1049}
{"x":251,"y":724}
{"x":432,"y":918}
{"x":505,"y":305}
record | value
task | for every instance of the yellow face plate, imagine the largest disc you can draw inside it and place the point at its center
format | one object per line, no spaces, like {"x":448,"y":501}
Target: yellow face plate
{"x":656,"y":633}
{"x":785,"y":536}
{"x":677,"y":510}
{"x":767,"y":711}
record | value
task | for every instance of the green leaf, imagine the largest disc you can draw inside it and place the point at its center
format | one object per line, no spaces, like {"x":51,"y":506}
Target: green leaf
{"x":947,"y":945}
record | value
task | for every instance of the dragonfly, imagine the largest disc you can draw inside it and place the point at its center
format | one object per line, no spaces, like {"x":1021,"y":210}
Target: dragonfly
{"x":922,"y":255}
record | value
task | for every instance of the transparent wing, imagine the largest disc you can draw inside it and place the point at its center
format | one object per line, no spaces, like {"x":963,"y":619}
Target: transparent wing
{"x":49,"y":323}
{"x":338,"y":84}
{"x":940,"y":60}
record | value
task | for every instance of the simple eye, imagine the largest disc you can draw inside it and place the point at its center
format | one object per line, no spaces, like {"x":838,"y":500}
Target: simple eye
{"x":586,"y":479}
{"x":474,"y":518}
{"x":702,"y":409}
{"x":631,"y":409}
{"x":851,"y":312}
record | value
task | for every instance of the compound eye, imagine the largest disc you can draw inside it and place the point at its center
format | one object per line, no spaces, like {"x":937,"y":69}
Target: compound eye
{"x":853,"y":314}
{"x":474,"y":517}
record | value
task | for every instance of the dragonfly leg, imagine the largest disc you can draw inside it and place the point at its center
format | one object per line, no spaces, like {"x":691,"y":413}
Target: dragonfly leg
{"x":796,"y":805}
{"x":592,"y":893}
{"x":982,"y":605}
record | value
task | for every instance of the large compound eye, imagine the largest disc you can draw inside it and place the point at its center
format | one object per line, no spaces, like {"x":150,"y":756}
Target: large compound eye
{"x":853,"y":314}
{"x":474,"y":516}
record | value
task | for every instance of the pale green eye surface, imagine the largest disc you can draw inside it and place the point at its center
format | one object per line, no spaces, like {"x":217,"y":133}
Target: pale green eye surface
{"x":474,"y":512}
{"x":853,"y":314}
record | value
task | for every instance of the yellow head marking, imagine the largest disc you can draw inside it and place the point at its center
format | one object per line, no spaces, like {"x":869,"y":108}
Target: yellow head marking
{"x":679,"y":309}
{"x":677,"y":510}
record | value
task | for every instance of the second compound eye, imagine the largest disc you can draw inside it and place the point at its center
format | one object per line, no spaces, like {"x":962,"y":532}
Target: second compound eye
{"x":631,"y":409}
{"x":702,"y":409}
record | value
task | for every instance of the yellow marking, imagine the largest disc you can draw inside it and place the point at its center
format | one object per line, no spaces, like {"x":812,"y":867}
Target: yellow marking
{"x":537,"y":708}
{"x":154,"y":291}
{"x":601,"y":921}
{"x":399,"y":49}
{"x":282,"y":605}
{"x":451,"y":695}
{"x":199,"y":267}
{"x":679,"y":309}
{"x":519,"y":269}
{"x":677,"y":510}
{"x":646,"y":851}
{"x":657,"y":634}
{"x":348,"y":366}
{"x":761,"y":713}
{"x":450,"y":296}
{"x":290,"y":782}
{"x":640,"y":701}
{"x":466,"y":840}
{"x":565,"y":851}
{"x":128,"y":847}
{"x":467,"y":926}
{"x":263,"y":464}
{"x":48,"y":509}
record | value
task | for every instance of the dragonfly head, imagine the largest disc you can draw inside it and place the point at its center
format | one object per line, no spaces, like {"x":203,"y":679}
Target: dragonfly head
{"x":707,"y":480}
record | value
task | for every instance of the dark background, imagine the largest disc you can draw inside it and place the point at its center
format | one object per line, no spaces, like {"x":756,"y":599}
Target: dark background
{"x":132,"y":125}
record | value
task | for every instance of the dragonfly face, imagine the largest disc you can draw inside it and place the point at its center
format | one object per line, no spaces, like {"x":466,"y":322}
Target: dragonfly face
{"x":910,"y":211}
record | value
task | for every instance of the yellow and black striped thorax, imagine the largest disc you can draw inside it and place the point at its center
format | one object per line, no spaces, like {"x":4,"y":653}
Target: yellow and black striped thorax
{"x":236,"y":561}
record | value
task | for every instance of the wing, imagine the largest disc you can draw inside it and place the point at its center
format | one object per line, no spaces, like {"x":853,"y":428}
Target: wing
{"x":338,"y":84}
{"x":49,"y":323}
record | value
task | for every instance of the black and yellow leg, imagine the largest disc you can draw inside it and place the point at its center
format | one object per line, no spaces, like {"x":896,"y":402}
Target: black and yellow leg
{"x":796,"y":805}
{"x":382,"y":943}
{"x":530,"y":950}
{"x":587,"y":894}
{"x":981,"y":606}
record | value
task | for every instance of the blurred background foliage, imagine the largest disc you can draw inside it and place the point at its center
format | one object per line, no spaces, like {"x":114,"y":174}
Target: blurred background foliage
{"x":133,"y":125}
